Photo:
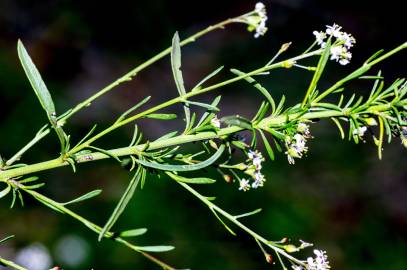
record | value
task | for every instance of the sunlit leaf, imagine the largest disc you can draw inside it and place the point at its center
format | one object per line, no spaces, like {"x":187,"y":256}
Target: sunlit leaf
{"x":196,"y":180}
{"x":86,"y":196}
{"x":133,"y":233}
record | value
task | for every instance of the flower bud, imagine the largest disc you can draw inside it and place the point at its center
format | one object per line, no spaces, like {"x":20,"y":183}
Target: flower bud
{"x":291,"y":248}
{"x":285,"y":47}
{"x":371,"y":121}
{"x":228,"y":178}
{"x":269,"y":258}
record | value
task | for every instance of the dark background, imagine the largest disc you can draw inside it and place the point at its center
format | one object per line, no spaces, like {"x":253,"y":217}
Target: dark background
{"x":340,"y":197}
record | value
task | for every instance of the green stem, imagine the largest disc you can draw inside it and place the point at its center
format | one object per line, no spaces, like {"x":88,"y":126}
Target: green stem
{"x":92,"y":226}
{"x":127,"y":77}
{"x":358,"y":72}
{"x":272,"y":121}
{"x":186,"y":96}
{"x":11,"y":264}
{"x":235,"y":221}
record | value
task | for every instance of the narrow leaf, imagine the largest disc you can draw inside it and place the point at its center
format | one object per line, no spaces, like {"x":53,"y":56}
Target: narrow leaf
{"x":267,"y":145}
{"x":133,"y":233}
{"x":5,"y":191}
{"x":132,"y":109}
{"x":6,"y":238}
{"x":198,"y":180}
{"x":86,"y":196}
{"x":124,"y":200}
{"x":258,"y":86}
{"x":236,"y":120}
{"x":35,"y":79}
{"x":176,"y":71}
{"x":155,"y":248}
{"x":203,"y":105}
{"x":162,"y":116}
{"x":184,"y":168}
{"x":249,"y":213}
{"x":212,"y":74}
{"x":167,"y":136}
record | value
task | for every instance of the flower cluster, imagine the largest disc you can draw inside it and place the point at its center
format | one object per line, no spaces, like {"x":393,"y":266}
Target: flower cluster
{"x":261,"y":28}
{"x":254,"y":169}
{"x":296,"y":144}
{"x":256,"y":20}
{"x":341,"y":45}
{"x":360,"y":131}
{"x":320,"y":262}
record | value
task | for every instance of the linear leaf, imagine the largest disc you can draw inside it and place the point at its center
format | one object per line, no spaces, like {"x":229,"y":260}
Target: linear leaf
{"x":249,"y":213}
{"x":35,"y":79}
{"x":86,"y":196}
{"x":236,"y":120}
{"x":184,"y":168}
{"x":258,"y":86}
{"x":133,"y":233}
{"x":41,"y":91}
{"x":5,"y":191}
{"x":212,"y":74}
{"x":155,"y":248}
{"x":176,"y":71}
{"x":267,"y":145}
{"x":124,"y":200}
{"x":167,"y":136}
{"x":6,"y":238}
{"x":198,"y":180}
{"x":204,"y":105}
{"x":162,"y":116}
{"x":132,"y":109}
{"x":206,"y":115}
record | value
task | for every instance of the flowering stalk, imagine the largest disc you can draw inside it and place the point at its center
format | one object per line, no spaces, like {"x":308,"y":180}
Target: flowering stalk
{"x":280,"y":127}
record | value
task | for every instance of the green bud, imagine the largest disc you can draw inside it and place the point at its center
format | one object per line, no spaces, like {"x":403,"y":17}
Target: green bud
{"x":291,"y":248}
{"x":371,"y":121}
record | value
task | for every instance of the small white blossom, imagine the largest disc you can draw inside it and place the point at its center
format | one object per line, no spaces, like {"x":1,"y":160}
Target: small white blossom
{"x":244,"y":185}
{"x":260,"y":26}
{"x":334,"y":30}
{"x":320,"y":37}
{"x":215,"y":122}
{"x":259,"y":180}
{"x":296,"y":147}
{"x":341,"y":55}
{"x":360,"y":131}
{"x":348,"y":40}
{"x":297,"y":267}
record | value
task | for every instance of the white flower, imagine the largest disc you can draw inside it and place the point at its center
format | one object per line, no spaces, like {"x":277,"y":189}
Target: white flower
{"x":297,"y":267}
{"x":341,"y":55}
{"x":260,"y":8}
{"x":260,"y":25}
{"x":244,"y":185}
{"x":304,"y":129}
{"x":215,"y":122}
{"x":320,"y":37}
{"x":348,"y":40}
{"x":334,"y":30}
{"x":259,"y":180}
{"x":360,"y":131}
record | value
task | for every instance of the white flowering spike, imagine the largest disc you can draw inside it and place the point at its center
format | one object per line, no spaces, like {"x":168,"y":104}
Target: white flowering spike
{"x":360,"y":131}
{"x":215,"y":122}
{"x":348,"y":40}
{"x":257,"y":22}
{"x":244,"y":185}
{"x":304,"y":129}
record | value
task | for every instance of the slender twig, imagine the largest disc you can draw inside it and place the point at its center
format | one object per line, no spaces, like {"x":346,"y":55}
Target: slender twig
{"x":11,"y":264}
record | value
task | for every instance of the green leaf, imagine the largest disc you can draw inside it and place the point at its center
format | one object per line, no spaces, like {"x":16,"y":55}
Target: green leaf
{"x":35,"y":79}
{"x":206,"y":117}
{"x":124,"y":200}
{"x":28,"y":180}
{"x":155,"y":248}
{"x":5,"y":191}
{"x":132,"y":109}
{"x":106,"y":152}
{"x":338,"y":124}
{"x":279,"y":106}
{"x":6,"y":238}
{"x":203,"y":105}
{"x":86,"y":196}
{"x":267,"y":145}
{"x":236,"y":120}
{"x":41,"y":91}
{"x":198,"y":180}
{"x":258,"y":86}
{"x":212,"y":74}
{"x":249,"y":213}
{"x":133,"y":233}
{"x":176,"y":71}
{"x":162,"y":116}
{"x":318,"y":72}
{"x":167,"y":136}
{"x":184,"y":168}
